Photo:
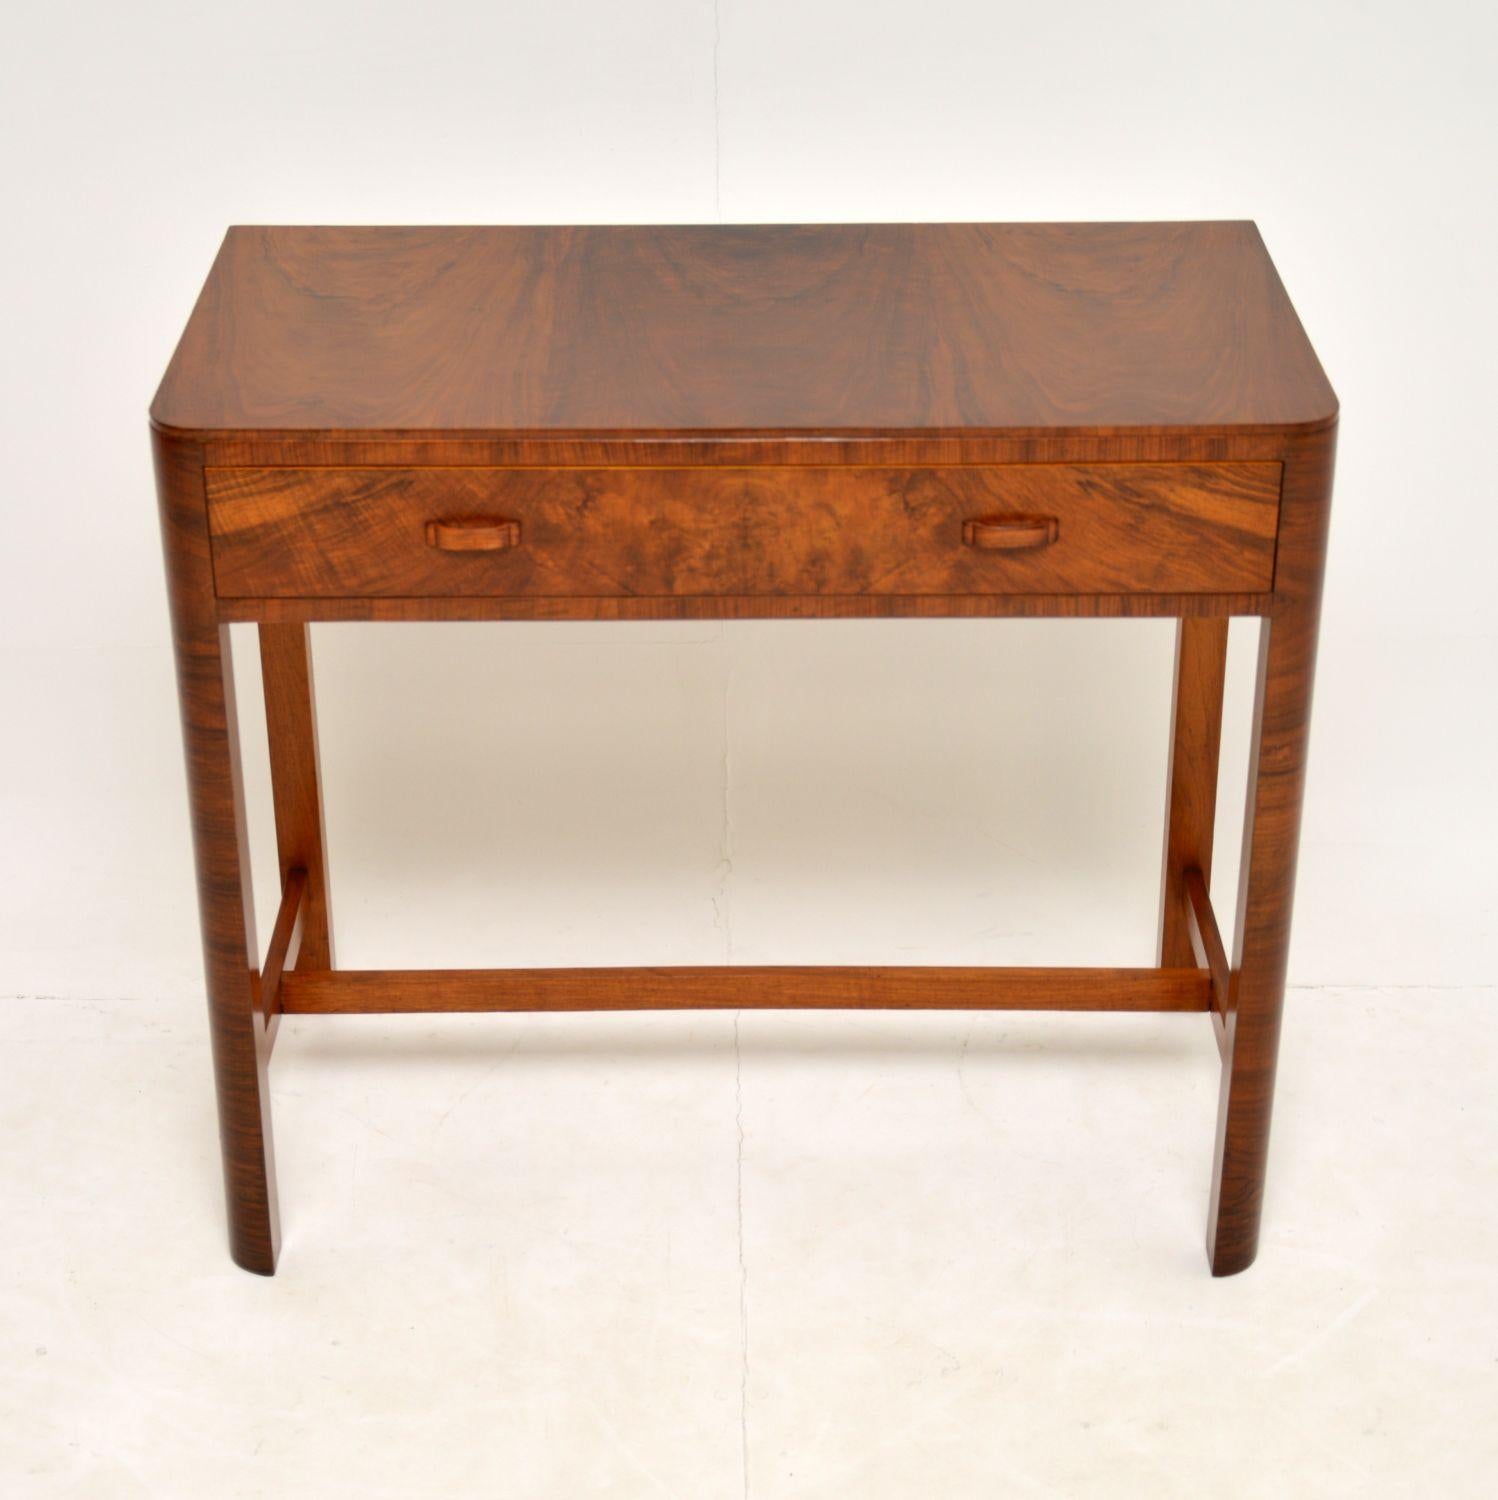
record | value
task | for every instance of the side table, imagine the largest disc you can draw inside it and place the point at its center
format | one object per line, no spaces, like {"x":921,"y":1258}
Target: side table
{"x":732,"y":423}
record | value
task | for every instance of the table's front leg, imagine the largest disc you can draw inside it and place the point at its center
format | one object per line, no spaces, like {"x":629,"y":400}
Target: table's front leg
{"x":205,"y":685}
{"x":1277,"y":772}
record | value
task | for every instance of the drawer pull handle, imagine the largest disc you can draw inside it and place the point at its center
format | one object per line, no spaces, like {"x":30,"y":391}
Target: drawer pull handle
{"x":473,"y":534}
{"x":1010,"y":533}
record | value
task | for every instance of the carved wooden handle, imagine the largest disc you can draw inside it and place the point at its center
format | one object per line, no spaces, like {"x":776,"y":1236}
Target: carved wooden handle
{"x":1010,"y":533}
{"x":473,"y":534}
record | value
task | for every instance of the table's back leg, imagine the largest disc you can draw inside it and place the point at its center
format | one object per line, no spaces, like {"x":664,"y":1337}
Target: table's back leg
{"x":205,"y":686}
{"x":1191,"y":792}
{"x":291,"y":724}
{"x":1277,"y":771}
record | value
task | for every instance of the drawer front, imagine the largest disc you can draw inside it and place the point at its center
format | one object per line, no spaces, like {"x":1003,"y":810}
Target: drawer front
{"x":678,"y":532}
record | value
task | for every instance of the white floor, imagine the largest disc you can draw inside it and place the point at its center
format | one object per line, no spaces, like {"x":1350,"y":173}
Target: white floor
{"x":784,"y":1256}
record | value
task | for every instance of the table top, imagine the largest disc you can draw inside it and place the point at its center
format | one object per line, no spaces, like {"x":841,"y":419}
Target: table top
{"x":778,"y":330}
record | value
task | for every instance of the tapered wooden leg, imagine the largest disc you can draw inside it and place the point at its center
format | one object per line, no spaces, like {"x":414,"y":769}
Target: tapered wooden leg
{"x":291,"y":722}
{"x":1277,"y":771}
{"x":1191,"y":796}
{"x":210,"y":738}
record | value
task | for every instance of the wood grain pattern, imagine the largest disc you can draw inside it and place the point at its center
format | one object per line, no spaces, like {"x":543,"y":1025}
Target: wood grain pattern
{"x":284,"y":951}
{"x":590,"y":533}
{"x":215,"y":794}
{"x":1191,"y":781}
{"x":296,"y":779}
{"x":472,"y":534}
{"x":923,"y":328}
{"x":1282,"y":717}
{"x":1211,"y":953}
{"x":758,"y":607}
{"x":582,"y":450}
{"x":753,"y":422}
{"x":743,"y":987}
{"x":1010,"y":533}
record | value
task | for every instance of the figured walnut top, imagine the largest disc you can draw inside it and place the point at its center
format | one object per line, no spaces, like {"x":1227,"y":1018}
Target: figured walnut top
{"x":954,"y":329}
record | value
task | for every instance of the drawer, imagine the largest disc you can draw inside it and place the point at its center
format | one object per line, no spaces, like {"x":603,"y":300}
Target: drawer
{"x":676,"y":532}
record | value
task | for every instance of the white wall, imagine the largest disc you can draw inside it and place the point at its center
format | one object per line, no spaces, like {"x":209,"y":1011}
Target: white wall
{"x":917,"y":792}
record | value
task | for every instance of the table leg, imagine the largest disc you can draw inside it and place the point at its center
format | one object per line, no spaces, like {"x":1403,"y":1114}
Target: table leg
{"x":1277,"y":769}
{"x":1191,"y":796}
{"x":205,"y":685}
{"x":291,"y":724}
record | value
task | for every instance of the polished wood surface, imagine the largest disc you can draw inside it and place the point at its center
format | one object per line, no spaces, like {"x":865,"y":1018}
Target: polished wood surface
{"x":356,"y":992}
{"x":804,"y":531}
{"x":1209,"y":950}
{"x":1277,"y":778}
{"x":284,"y":951}
{"x":1191,"y":795}
{"x":472,"y":534}
{"x":580,"y":450}
{"x":922,"y":328}
{"x":226,"y":911}
{"x":296,"y":778}
{"x":1011,"y":532}
{"x":746,"y":422}
{"x":748,"y":607}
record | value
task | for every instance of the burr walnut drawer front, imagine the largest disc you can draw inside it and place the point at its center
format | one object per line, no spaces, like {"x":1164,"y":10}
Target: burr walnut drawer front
{"x":1101,"y":528}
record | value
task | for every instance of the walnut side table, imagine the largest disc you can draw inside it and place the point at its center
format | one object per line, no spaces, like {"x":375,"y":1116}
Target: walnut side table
{"x":733,"y":423}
